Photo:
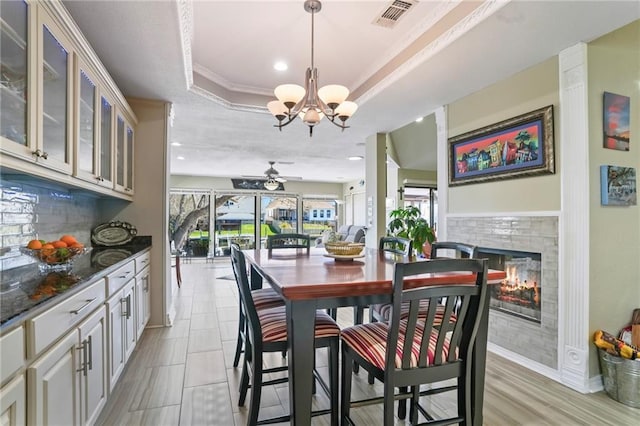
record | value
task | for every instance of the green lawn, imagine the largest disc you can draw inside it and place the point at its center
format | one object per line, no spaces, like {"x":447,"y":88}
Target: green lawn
{"x":265,"y":230}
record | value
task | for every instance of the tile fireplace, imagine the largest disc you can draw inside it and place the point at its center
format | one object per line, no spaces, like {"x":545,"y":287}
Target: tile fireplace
{"x":522,"y":320}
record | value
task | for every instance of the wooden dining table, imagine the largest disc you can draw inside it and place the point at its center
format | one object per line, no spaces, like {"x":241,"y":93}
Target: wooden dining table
{"x":308,"y":282}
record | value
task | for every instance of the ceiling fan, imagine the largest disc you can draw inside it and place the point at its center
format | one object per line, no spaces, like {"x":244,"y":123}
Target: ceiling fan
{"x":272,"y":174}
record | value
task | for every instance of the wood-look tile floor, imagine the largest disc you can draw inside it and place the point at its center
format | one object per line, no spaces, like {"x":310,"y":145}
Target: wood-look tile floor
{"x":183,"y":375}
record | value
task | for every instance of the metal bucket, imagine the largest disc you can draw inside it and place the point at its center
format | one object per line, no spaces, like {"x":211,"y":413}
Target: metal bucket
{"x":621,"y":378}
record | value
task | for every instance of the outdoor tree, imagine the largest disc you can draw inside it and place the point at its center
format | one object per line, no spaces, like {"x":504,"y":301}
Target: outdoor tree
{"x":185,"y":210}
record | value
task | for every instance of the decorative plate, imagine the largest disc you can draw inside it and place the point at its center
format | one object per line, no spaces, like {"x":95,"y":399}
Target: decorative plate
{"x":343,"y":257}
{"x":113,"y":233}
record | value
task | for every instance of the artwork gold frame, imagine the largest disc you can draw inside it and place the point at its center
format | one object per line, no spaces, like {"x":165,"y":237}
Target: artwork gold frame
{"x":518,"y":147}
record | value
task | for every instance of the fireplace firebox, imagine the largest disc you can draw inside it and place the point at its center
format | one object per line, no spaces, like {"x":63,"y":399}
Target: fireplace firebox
{"x":520,"y":293}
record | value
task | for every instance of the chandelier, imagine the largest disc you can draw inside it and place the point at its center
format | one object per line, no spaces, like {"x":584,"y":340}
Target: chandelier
{"x":309,"y":103}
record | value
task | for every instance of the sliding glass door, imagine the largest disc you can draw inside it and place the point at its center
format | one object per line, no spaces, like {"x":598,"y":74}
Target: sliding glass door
{"x":234,"y":222}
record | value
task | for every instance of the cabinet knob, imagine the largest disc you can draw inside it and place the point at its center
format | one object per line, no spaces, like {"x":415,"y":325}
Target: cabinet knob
{"x":40,"y":154}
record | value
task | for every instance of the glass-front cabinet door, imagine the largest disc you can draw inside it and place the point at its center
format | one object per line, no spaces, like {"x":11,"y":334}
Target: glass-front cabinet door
{"x":86,"y":164}
{"x":129,"y":161}
{"x":124,"y":154}
{"x":105,"y":154}
{"x":55,"y":88}
{"x":15,"y":98}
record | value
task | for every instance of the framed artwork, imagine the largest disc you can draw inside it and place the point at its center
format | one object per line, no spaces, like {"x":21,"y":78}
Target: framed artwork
{"x":518,"y":147}
{"x":615,"y":125}
{"x":618,"y":186}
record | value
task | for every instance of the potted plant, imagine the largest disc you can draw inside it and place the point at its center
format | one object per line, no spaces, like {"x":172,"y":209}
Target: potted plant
{"x":407,"y":222}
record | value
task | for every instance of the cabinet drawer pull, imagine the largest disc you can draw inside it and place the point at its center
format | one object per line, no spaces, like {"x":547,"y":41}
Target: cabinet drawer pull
{"x":125,"y":274}
{"x":128,"y":306}
{"x":90,"y":343}
{"x":146,"y":283}
{"x":81,"y":308}
{"x":83,"y":358}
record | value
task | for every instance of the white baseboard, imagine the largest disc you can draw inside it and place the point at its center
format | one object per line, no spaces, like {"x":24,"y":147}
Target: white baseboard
{"x":595,"y":384}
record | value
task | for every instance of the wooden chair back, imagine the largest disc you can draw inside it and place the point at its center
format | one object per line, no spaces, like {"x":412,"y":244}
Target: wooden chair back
{"x":461,"y":250}
{"x":446,"y":346}
{"x":281,"y":241}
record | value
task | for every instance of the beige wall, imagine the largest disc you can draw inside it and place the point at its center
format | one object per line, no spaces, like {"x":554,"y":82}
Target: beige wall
{"x":526,"y":91}
{"x":613,"y":66}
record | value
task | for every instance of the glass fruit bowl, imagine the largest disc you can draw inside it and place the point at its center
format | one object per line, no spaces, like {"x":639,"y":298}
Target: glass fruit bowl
{"x":56,"y":259}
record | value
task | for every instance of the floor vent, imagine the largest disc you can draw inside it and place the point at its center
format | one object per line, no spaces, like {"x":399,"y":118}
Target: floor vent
{"x":393,"y":12}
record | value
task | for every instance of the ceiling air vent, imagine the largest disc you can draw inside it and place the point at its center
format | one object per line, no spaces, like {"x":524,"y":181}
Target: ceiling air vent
{"x":392,"y":14}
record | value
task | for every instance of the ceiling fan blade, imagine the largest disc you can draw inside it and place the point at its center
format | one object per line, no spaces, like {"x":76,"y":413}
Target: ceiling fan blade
{"x":280,"y":179}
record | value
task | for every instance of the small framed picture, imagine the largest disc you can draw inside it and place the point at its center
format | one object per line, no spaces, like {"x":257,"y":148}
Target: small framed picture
{"x":618,"y":186}
{"x":616,"y":121}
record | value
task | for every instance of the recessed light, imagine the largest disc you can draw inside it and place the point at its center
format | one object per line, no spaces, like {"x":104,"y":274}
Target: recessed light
{"x":280,"y":66}
{"x":180,"y":157}
{"x":356,"y":158}
{"x":419,"y":119}
{"x":176,"y":144}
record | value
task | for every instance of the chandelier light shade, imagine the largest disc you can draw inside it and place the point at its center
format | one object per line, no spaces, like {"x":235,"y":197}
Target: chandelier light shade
{"x":310,"y":103}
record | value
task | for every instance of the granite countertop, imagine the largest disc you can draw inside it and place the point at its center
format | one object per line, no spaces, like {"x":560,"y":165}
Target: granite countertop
{"x":21,"y":290}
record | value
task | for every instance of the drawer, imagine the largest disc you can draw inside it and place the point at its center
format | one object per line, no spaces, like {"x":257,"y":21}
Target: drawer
{"x":116,"y":280}
{"x":12,"y":351}
{"x":47,"y":327}
{"x":142,"y":261}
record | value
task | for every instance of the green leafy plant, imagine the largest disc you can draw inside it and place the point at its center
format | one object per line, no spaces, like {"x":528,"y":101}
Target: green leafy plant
{"x":407,"y":222}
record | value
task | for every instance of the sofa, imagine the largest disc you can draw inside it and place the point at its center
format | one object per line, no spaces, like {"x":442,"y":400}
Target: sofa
{"x":350,"y":233}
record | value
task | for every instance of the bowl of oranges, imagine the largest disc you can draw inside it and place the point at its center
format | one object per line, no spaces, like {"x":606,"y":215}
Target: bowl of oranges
{"x":55,"y":255}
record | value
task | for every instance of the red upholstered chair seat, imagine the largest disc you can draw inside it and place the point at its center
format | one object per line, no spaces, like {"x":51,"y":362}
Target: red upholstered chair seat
{"x":274,"y":325}
{"x":370,"y":342}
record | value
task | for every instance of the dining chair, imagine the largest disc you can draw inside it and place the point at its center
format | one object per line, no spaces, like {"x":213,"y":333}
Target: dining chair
{"x":460,"y":250}
{"x":266,"y":331}
{"x":380,"y":312}
{"x":394,"y":245}
{"x":263,"y":298}
{"x":397,"y":245}
{"x":299,"y":241}
{"x":406,"y":353}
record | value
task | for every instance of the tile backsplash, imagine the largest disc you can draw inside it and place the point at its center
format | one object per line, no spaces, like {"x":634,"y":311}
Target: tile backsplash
{"x":31,"y":209}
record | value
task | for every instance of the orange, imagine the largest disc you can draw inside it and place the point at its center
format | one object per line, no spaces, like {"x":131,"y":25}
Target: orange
{"x":34,"y":245}
{"x":59,"y":244}
{"x":47,"y":249}
{"x":69,"y":239}
{"x":76,"y":245}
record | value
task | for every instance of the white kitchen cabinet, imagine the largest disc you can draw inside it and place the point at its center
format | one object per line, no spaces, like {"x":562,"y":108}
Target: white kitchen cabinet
{"x":53,"y":386}
{"x":121,"y":330}
{"x":86,"y":126}
{"x":58,"y":104}
{"x":143,"y":299}
{"x":93,"y":374}
{"x":124,"y":154}
{"x":67,"y":385}
{"x":13,"y":407}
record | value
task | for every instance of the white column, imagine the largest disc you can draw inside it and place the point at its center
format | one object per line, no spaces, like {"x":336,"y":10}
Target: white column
{"x":573,"y":297}
{"x":442,"y":133}
{"x":376,"y":184}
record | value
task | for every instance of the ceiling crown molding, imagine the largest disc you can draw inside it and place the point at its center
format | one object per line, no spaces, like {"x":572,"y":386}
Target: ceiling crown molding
{"x":229,"y":85}
{"x":185,"y":22}
{"x":207,"y":94}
